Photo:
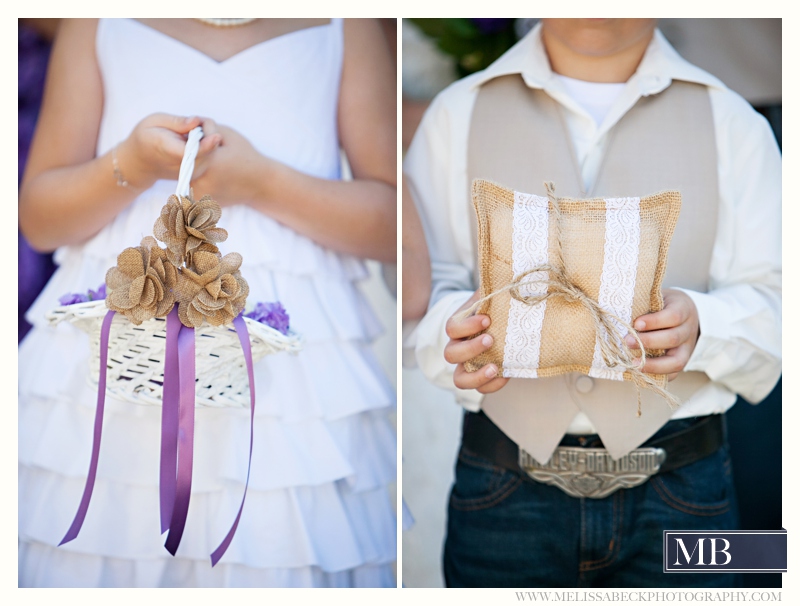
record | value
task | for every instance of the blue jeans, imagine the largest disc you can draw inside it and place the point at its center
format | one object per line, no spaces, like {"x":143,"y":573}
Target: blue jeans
{"x":506,"y":530}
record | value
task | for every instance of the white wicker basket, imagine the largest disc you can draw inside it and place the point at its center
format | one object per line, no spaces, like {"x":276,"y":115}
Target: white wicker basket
{"x":136,"y":355}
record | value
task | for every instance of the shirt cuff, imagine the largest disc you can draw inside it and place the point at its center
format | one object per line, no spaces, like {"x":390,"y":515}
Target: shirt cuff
{"x":712,"y":315}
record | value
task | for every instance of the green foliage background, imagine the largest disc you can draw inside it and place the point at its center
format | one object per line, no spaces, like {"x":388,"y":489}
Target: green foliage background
{"x":473,"y":48}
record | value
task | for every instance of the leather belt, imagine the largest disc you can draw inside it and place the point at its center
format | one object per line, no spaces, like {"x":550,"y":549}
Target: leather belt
{"x":583,"y":471}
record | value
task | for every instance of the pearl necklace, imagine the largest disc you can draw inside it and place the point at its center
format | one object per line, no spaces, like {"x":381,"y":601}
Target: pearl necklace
{"x":226,"y":22}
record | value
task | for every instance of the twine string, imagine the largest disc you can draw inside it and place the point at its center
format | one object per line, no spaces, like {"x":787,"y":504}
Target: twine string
{"x":609,"y":327}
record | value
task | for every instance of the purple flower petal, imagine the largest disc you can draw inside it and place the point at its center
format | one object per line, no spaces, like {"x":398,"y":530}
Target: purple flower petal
{"x":271,"y":314}
{"x":93,"y":295}
{"x":100,"y":293}
{"x":73,"y":298}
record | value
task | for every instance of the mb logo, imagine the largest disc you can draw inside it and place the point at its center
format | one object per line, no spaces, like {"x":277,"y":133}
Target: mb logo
{"x":728,"y":551}
{"x":716,"y":547}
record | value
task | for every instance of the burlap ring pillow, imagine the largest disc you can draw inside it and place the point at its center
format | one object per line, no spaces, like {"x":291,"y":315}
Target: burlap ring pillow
{"x":600,"y":262}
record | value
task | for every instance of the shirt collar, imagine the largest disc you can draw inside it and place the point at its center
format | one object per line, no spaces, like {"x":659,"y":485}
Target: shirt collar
{"x":660,"y":65}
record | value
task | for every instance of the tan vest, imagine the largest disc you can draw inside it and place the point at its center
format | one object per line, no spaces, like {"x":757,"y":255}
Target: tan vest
{"x":518,"y":138}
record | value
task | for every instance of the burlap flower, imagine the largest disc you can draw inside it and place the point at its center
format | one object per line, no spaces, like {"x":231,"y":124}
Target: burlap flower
{"x":187,"y":227}
{"x":212,"y":290}
{"x":141,"y":285}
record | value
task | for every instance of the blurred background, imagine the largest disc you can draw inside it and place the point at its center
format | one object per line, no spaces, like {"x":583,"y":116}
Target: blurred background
{"x":746,"y":55}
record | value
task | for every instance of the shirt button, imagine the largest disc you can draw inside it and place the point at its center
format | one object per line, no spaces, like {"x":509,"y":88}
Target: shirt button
{"x":584,"y":384}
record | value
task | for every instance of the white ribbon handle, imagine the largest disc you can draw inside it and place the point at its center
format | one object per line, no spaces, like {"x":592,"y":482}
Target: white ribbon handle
{"x":187,"y":164}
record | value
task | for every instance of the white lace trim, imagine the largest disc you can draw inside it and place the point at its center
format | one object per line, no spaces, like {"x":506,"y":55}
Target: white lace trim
{"x":620,"y":263}
{"x":528,"y":248}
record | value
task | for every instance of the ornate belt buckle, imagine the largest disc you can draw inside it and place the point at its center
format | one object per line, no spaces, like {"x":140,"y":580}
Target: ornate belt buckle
{"x":591,"y":472}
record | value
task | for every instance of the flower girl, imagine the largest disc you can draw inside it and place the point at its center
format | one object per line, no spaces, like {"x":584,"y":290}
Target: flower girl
{"x":277,"y":101}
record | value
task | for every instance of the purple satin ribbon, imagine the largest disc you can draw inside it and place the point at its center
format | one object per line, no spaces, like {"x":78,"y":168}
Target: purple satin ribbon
{"x":177,"y":431}
{"x":170,"y":410}
{"x":244,"y":339}
{"x":183,"y":486}
{"x":75,"y":528}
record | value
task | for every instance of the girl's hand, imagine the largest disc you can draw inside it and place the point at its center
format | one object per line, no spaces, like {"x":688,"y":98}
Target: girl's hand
{"x":675,"y":328}
{"x":155,"y":148}
{"x":234,"y":173}
{"x":462,"y":348}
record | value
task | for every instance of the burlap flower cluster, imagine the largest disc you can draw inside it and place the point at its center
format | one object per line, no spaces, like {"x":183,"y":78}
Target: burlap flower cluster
{"x":148,"y":280}
{"x":212,"y":289}
{"x":186,"y":227}
{"x":142,"y":284}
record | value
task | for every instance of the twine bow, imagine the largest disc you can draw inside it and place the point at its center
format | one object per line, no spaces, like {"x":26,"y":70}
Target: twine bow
{"x":610,"y":328}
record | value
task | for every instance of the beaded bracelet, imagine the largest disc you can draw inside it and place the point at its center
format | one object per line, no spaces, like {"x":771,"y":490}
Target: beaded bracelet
{"x":121,"y":182}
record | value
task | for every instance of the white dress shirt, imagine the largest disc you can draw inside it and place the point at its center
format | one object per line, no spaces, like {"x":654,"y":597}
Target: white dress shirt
{"x":740,"y":317}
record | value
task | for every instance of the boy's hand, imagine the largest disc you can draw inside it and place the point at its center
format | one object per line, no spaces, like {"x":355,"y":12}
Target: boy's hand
{"x":461,"y":348}
{"x":675,"y":328}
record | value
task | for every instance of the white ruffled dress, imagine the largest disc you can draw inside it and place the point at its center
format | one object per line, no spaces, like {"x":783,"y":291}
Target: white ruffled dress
{"x":318,"y":512}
